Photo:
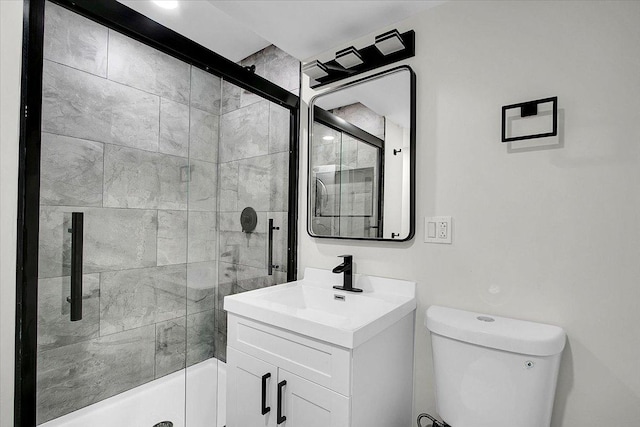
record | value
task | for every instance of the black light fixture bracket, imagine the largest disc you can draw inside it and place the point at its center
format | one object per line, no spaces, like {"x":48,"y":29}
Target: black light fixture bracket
{"x":528,"y":109}
{"x":372,"y":58}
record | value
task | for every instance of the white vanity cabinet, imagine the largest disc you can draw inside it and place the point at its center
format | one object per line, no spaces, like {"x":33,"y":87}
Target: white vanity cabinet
{"x":320,"y":384}
{"x":302,"y":402}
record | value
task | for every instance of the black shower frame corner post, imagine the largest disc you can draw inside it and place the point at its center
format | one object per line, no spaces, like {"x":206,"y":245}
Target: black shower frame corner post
{"x":28,"y":213}
{"x":118,"y":17}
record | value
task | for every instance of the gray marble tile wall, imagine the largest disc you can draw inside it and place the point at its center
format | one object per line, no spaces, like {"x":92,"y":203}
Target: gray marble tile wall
{"x":360,"y":115}
{"x":130,"y":138}
{"x":253,"y":172}
{"x":160,"y":156}
{"x":349,"y":153}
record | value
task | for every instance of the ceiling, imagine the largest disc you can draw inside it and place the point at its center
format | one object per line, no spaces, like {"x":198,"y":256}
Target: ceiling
{"x":236,"y":29}
{"x":205,"y":24}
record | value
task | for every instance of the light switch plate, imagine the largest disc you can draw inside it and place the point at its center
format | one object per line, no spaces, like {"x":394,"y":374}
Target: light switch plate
{"x":437,"y":229}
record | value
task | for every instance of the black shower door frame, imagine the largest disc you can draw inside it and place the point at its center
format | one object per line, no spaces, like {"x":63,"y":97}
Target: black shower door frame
{"x":120,"y":18}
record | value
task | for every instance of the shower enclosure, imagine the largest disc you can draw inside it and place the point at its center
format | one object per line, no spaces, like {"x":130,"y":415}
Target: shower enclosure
{"x":147,"y":161}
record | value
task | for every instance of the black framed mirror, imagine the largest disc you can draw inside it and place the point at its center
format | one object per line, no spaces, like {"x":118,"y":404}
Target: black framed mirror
{"x":361,"y":162}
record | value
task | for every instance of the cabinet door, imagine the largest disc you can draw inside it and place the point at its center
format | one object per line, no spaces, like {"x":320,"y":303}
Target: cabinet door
{"x":306,"y":404}
{"x":250,"y":391}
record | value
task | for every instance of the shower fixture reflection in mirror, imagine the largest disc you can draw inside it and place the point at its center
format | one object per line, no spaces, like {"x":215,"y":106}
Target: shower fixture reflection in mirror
{"x":362,"y":159}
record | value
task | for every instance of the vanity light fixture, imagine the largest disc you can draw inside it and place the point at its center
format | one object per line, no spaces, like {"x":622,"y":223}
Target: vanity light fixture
{"x":315,"y":69}
{"x":166,"y":4}
{"x":349,"y":57}
{"x":388,"y":48}
{"x":389,"y":42}
{"x":328,"y":138}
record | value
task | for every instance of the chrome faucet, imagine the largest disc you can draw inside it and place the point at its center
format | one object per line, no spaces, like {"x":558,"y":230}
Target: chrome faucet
{"x":347,"y":268}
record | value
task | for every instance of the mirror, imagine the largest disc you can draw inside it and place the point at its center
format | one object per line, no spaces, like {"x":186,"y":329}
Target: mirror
{"x":361,"y":159}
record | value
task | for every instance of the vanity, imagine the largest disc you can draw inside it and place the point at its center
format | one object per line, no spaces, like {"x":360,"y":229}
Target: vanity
{"x":304,"y":354}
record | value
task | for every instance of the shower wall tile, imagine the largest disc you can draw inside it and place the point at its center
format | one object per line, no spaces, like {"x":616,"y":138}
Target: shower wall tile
{"x":249,"y":249}
{"x":202,"y":280}
{"x":230,"y":97}
{"x":203,"y":136}
{"x":349,"y":152}
{"x":263,"y":182}
{"x":244,"y":133}
{"x":325,"y":226}
{"x":202,"y":236}
{"x":143,"y":180}
{"x":236,"y":278}
{"x":81,"y":105}
{"x":71,"y":171}
{"x":174,"y":128}
{"x":228,"y":189}
{"x":362,"y":117}
{"x":281,"y":68}
{"x":200,"y":336}
{"x":276,"y":66}
{"x":170,"y":346}
{"x":77,"y":375}
{"x":326,"y":152}
{"x":114,"y":239}
{"x":254,"y":182}
{"x":278,"y":129}
{"x":279,"y":182}
{"x":257,"y":60}
{"x":367,"y":156}
{"x":73,"y":40}
{"x":133,"y":298}
{"x":55,"y":329}
{"x":172,"y":237}
{"x":205,"y":91}
{"x":203,"y":185}
{"x":138,"y":65}
{"x":220,"y":344}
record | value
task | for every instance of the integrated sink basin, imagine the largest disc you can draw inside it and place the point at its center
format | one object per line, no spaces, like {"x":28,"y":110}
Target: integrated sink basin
{"x":313,"y":308}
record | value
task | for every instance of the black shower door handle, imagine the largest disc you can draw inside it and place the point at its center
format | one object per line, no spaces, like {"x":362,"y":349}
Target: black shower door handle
{"x":281,"y":418}
{"x":270,"y":264}
{"x":263,"y":403}
{"x":77,"y":242}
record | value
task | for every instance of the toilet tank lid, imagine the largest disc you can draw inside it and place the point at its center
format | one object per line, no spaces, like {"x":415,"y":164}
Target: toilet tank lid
{"x":517,"y":336}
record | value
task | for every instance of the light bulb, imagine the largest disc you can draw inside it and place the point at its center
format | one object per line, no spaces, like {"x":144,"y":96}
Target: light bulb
{"x":166,"y":4}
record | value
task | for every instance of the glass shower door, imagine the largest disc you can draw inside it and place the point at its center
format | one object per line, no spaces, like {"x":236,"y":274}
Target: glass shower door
{"x":253,"y":193}
{"x":127,"y":222}
{"x":163,"y":189}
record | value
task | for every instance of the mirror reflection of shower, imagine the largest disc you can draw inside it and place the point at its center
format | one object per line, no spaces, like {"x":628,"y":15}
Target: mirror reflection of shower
{"x":360,"y":159}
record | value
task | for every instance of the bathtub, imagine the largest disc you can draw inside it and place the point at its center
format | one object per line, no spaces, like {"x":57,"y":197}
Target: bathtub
{"x":161,"y":400}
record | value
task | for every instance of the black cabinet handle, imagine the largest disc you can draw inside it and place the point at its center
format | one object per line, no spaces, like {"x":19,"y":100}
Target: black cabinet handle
{"x":77,"y":242}
{"x":263,"y":404}
{"x":281,"y":418}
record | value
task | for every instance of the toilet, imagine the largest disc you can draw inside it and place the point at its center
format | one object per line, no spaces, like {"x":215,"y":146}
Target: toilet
{"x":493,"y":371}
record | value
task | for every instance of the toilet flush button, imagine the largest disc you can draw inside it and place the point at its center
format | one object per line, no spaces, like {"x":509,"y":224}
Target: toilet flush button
{"x":486,"y":319}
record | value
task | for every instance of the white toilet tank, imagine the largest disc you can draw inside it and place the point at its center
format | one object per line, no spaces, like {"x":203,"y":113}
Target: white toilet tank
{"x":493,"y":371}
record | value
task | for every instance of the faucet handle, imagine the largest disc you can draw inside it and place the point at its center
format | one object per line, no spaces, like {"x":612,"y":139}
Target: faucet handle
{"x":345,"y":256}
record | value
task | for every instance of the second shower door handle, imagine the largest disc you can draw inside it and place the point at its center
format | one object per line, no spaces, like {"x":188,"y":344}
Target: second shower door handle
{"x":270,"y":264}
{"x":77,"y":243}
{"x":263,"y":404}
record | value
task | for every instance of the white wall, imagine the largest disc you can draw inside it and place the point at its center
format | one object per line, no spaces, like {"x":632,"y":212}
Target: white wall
{"x":550,"y":235}
{"x":396,"y":206}
{"x":10,"y":62}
